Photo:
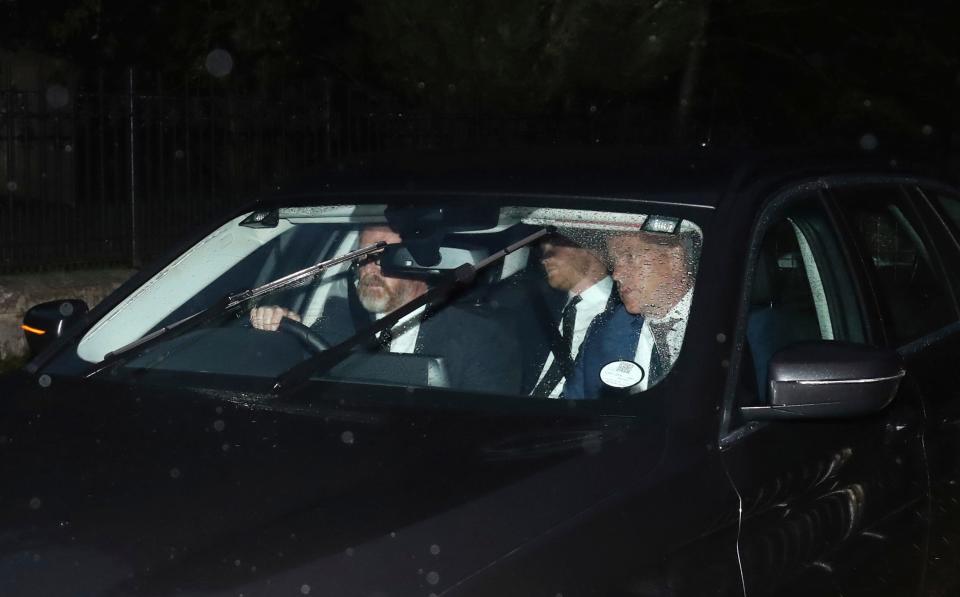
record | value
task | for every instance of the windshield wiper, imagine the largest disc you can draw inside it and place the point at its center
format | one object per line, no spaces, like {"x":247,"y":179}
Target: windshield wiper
{"x":462,"y":277}
{"x":230,"y":302}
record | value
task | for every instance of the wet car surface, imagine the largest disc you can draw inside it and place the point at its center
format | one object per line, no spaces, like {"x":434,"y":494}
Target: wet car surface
{"x":802,"y":441}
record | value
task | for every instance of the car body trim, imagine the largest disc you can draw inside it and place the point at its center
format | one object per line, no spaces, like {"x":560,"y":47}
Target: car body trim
{"x":823,"y":382}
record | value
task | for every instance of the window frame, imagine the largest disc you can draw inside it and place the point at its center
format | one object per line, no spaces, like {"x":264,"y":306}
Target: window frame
{"x":732,"y":428}
{"x":915,"y":216}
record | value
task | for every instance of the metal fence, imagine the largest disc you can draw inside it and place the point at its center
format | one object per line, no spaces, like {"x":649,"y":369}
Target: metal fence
{"x":112,"y":174}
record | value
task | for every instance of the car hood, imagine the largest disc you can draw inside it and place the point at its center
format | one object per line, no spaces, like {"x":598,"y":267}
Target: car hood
{"x":114,"y":489}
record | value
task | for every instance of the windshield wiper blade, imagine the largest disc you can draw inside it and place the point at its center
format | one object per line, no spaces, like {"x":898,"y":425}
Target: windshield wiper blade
{"x":224,"y":305}
{"x":462,"y":277}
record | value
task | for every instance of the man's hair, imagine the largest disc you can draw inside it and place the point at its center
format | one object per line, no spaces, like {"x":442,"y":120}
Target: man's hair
{"x":688,"y":241}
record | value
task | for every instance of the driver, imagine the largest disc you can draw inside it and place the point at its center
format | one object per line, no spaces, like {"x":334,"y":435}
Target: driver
{"x":479,"y":355}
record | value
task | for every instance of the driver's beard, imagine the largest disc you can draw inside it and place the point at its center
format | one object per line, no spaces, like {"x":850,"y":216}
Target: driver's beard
{"x":374,"y":303}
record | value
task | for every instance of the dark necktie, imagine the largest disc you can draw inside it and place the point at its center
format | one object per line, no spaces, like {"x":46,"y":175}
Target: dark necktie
{"x":386,"y":337}
{"x":558,"y":367}
{"x":660,"y":356}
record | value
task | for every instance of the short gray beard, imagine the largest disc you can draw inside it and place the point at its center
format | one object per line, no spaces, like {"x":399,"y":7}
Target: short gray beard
{"x":375,"y":305}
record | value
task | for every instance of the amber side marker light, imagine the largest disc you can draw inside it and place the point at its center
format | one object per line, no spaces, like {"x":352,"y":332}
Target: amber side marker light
{"x":36,"y":331}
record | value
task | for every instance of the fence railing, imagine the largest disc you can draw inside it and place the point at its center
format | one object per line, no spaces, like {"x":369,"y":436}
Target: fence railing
{"x":114,"y":177}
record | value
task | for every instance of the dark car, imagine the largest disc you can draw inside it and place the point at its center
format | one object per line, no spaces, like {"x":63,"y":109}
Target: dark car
{"x":797,"y":433}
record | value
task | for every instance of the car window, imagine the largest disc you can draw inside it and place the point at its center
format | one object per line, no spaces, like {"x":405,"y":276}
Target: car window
{"x":801,"y":290}
{"x":912,"y":292}
{"x":597,"y":305}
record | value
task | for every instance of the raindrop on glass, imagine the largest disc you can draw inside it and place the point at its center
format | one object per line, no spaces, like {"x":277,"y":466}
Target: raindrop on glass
{"x":174,"y":473}
{"x":433,"y":578}
{"x":867,"y":103}
{"x":721,"y":337}
{"x":219,"y":425}
{"x":66,"y":309}
{"x":592,"y":443}
{"x":236,"y":563}
{"x":225,"y":447}
{"x":421,"y":85}
{"x":435,"y":549}
{"x":179,"y":154}
{"x":12,"y":186}
{"x":36,"y":557}
{"x":869,"y":142}
{"x":219,"y":63}
{"x":57,"y":96}
{"x":35,"y":503}
{"x":653,"y":39}
{"x":593,"y":108}
{"x":347,"y":437}
{"x":349,"y":551}
{"x":305,"y":589}
{"x":44,"y":381}
{"x":68,"y":148}
{"x":927,"y":130}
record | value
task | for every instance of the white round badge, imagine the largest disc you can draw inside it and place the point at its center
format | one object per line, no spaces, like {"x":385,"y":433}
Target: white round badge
{"x":622,"y":374}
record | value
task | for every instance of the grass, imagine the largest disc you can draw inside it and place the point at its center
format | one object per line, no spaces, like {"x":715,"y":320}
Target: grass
{"x":10,"y":364}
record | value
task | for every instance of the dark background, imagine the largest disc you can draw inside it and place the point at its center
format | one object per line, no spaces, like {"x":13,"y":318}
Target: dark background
{"x":124,"y":124}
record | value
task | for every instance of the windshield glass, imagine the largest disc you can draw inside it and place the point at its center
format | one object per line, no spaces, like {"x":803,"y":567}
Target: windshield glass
{"x":597,"y":305}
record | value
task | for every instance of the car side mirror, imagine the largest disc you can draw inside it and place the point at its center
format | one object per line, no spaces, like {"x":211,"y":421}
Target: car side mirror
{"x":46,"y":322}
{"x":827,"y":379}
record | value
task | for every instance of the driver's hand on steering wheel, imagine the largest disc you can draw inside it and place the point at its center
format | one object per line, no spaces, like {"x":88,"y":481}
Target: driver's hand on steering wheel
{"x":268,"y":318}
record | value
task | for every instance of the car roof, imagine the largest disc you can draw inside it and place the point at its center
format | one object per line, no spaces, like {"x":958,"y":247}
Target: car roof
{"x":698,"y":178}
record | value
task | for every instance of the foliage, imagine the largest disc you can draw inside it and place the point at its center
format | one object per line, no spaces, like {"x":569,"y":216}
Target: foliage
{"x":523,"y":55}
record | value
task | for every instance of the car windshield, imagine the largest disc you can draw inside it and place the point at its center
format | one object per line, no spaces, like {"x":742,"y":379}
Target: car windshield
{"x":584,"y":303}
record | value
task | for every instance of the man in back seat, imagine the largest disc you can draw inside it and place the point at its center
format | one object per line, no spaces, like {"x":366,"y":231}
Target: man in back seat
{"x":477,"y":353}
{"x":579,"y":273}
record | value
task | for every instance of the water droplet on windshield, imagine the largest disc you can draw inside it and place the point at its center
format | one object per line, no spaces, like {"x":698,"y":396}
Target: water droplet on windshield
{"x":174,"y":473}
{"x":219,"y":63}
{"x":869,"y":142}
{"x":12,"y":186}
{"x":435,"y":549}
{"x":305,"y":589}
{"x":219,"y":425}
{"x":35,"y":503}
{"x":347,"y":437}
{"x":927,"y":130}
{"x":58,"y":96}
{"x":44,"y":381}
{"x":433,"y":578}
{"x":350,"y":552}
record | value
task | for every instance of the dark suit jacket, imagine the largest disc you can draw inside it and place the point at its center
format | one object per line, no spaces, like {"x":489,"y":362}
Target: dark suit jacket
{"x":612,"y":336}
{"x":479,"y":354}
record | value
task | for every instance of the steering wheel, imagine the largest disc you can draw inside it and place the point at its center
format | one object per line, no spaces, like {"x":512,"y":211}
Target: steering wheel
{"x":311,"y":339}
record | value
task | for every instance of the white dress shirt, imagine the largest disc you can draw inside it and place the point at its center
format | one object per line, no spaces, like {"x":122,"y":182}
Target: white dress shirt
{"x":668,"y":354}
{"x":405,"y":331}
{"x":593,"y":301}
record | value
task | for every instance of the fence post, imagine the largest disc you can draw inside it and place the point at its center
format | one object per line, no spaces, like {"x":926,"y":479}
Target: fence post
{"x":134,"y":257}
{"x":327,"y":143}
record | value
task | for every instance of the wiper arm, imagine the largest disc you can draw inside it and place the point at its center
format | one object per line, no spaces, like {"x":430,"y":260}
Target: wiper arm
{"x":462,"y":277}
{"x":226,"y":304}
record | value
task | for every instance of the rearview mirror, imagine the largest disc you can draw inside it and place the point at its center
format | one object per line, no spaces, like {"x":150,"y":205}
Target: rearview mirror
{"x":46,"y":322}
{"x":827,"y":379}
{"x":410,"y":261}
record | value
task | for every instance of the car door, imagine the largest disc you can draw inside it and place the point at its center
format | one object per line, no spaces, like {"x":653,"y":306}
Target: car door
{"x":941,"y":379}
{"x":829,"y":507}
